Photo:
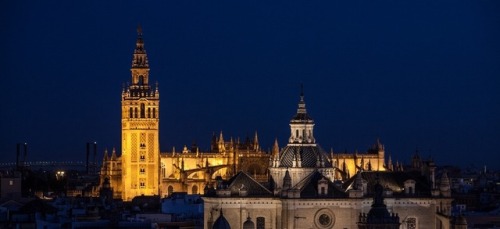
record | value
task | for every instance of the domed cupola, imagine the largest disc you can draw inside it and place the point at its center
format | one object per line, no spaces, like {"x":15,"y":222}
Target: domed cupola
{"x":302,"y":150}
{"x":301,"y":156}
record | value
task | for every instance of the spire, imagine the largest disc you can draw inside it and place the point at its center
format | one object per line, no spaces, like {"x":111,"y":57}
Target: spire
{"x":256,"y":142}
{"x":276,"y":149}
{"x":302,"y":103}
{"x":221,"y":138}
{"x":221,"y":142}
{"x":140,"y":59}
{"x":113,"y":154}
{"x":105,"y":155}
{"x":389,"y":164}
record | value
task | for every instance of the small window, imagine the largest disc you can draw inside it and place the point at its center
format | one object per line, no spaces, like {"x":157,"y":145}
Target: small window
{"x":11,"y":182}
{"x":142,"y":171}
{"x":149,"y":112}
{"x":154,"y":112}
{"x":261,"y":223}
{"x":131,"y":113}
{"x":411,"y":223}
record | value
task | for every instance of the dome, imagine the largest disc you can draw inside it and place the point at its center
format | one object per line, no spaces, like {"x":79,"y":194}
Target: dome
{"x":301,"y":118}
{"x":308,"y":155}
{"x":221,"y":222}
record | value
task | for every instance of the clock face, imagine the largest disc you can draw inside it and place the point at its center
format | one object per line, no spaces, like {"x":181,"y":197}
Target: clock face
{"x":324,"y":219}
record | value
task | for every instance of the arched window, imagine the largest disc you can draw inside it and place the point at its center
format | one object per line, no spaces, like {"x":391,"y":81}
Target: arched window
{"x":296,"y":133}
{"x":154,"y":112}
{"x":143,"y":110}
{"x":135,"y":113}
{"x":170,"y":190}
{"x":149,"y":112}
{"x":194,"y":189}
{"x":141,"y":80}
{"x":248,"y":224}
{"x":131,"y":112}
{"x":261,"y":223}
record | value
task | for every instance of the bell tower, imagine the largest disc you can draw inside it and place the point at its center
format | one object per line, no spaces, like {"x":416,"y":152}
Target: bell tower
{"x":140,"y":129}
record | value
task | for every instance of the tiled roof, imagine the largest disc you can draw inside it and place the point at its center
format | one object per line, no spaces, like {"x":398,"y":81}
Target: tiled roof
{"x":243,"y":180}
{"x":309,"y":187}
{"x":301,"y":117}
{"x":308,"y":154}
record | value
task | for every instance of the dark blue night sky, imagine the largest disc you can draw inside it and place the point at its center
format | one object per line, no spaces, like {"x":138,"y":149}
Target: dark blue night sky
{"x":420,"y":74}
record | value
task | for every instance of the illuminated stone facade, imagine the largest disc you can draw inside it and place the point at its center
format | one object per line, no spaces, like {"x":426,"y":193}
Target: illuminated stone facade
{"x":305,"y":193}
{"x":140,"y":129}
{"x":190,"y":170}
{"x":141,"y":169}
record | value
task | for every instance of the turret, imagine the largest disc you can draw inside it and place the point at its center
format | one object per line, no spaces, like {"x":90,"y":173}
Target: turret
{"x":275,"y":157}
{"x":444,"y":185}
{"x":302,"y":125}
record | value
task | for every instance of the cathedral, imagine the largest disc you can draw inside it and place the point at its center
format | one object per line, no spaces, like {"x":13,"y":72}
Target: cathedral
{"x":297,"y":186}
{"x":308,"y":189}
{"x":141,"y":169}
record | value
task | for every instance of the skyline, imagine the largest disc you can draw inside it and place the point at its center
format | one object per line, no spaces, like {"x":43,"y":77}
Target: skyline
{"x":416,"y":75}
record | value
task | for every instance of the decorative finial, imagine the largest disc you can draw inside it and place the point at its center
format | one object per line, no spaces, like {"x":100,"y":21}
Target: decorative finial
{"x":139,"y":30}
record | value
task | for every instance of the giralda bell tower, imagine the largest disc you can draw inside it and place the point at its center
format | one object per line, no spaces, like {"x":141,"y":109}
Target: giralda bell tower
{"x":140,"y":128}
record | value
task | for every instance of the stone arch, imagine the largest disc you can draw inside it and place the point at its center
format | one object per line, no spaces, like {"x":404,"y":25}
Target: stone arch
{"x":141,"y":80}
